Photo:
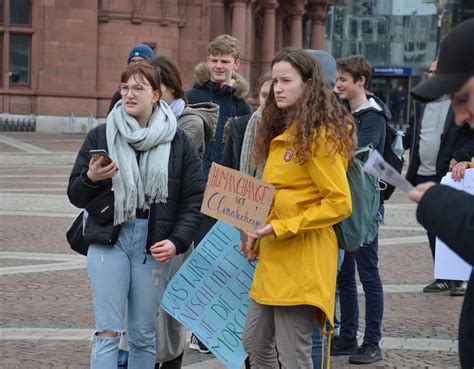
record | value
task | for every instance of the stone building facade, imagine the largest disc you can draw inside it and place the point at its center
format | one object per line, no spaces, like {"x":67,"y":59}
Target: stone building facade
{"x":63,"y":57}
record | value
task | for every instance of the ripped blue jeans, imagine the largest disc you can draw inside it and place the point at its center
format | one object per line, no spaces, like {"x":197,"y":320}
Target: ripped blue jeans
{"x":119,"y":276}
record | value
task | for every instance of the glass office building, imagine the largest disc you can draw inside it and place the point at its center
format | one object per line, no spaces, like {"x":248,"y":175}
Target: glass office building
{"x":400,"y":38}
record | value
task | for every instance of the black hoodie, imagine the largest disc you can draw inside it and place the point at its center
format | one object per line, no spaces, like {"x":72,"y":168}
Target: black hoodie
{"x":371,"y":121}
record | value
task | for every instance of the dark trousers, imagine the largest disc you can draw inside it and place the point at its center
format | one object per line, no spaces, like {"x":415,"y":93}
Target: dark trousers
{"x":366,"y":260}
{"x":431,"y":237}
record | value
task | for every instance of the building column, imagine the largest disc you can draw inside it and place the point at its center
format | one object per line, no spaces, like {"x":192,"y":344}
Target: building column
{"x":268,"y":39}
{"x":217,"y":24}
{"x":296,"y":22}
{"x":317,"y":11}
{"x":239,"y":26}
{"x":249,"y":39}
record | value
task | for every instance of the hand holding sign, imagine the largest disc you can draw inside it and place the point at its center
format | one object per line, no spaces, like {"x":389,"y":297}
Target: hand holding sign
{"x":248,"y":241}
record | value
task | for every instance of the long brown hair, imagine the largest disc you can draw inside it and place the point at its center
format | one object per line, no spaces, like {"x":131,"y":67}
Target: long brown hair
{"x":316,"y":109}
{"x":169,"y":74}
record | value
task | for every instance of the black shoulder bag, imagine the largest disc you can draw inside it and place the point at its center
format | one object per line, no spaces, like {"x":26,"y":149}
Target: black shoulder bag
{"x":94,"y":224}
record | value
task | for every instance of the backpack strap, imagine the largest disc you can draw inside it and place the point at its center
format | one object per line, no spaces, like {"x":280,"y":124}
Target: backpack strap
{"x":362,"y":149}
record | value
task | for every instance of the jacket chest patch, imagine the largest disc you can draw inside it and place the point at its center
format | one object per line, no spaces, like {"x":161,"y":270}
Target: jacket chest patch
{"x":288,"y":155}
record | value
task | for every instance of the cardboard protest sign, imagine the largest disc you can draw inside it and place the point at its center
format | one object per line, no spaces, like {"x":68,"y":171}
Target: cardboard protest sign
{"x":209,"y":294}
{"x":237,"y":198}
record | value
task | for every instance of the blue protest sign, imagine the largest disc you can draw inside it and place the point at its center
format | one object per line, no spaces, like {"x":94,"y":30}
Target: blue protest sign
{"x":209,"y":294}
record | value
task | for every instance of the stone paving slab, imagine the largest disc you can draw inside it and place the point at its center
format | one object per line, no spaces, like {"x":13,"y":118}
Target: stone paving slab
{"x":56,"y":142}
{"x":27,"y":202}
{"x":406,"y":263}
{"x":22,"y":145}
{"x":13,"y":159}
{"x":53,"y":334}
{"x":45,"y":233}
{"x":76,"y":354}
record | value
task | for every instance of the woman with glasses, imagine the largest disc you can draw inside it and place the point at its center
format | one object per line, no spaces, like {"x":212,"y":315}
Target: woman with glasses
{"x":156,"y":180}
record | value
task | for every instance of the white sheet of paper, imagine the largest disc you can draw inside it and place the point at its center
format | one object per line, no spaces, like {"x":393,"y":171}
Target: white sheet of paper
{"x":448,"y":264}
{"x":378,"y":167}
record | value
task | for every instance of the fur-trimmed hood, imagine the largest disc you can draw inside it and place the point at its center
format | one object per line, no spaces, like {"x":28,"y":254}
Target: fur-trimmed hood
{"x":241,"y":87}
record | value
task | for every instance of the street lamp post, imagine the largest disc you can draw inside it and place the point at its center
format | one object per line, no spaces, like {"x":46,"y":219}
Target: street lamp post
{"x":441,"y":11}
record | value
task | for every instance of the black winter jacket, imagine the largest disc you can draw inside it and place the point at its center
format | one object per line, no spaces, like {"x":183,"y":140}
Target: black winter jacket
{"x":456,"y":143}
{"x":449,"y":214}
{"x":179,"y":218}
{"x":234,"y":141}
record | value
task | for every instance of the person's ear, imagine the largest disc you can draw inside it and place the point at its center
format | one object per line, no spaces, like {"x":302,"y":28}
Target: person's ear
{"x":156,"y":96}
{"x":236,"y":64}
{"x":361,"y":82}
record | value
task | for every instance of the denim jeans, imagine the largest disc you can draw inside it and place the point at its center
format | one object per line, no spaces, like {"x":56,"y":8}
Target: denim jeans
{"x":119,"y":275}
{"x":316,"y":350}
{"x":366,"y":260}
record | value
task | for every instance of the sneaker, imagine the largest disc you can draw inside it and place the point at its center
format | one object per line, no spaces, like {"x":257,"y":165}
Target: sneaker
{"x":341,"y":346}
{"x":193,"y":345}
{"x":458,"y":288}
{"x":202,"y":348}
{"x":438,"y":286}
{"x":366,"y":354}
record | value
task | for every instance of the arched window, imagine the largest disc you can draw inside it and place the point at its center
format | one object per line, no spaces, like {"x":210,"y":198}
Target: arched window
{"x":15,"y":40}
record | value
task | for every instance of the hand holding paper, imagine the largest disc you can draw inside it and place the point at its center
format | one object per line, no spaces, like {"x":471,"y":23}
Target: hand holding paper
{"x":416,"y":193}
{"x":378,"y":167}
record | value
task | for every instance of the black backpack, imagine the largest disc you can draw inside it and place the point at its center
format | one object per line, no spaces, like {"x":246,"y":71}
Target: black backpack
{"x":386,"y":189}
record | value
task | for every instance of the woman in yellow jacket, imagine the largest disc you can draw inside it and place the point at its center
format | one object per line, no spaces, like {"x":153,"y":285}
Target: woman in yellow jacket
{"x":305,"y":141}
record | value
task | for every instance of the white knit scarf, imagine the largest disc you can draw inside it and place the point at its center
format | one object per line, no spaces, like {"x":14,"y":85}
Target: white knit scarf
{"x":137,"y":184}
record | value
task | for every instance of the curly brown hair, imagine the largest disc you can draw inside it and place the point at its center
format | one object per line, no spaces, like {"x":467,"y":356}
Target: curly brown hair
{"x":316,"y":109}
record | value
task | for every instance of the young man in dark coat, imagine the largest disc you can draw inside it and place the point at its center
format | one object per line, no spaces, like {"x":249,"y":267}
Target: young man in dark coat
{"x":444,"y":211}
{"x":217,"y":81}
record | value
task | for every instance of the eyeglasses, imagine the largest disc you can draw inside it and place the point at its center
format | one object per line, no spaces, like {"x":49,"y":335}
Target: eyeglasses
{"x":136,"y":89}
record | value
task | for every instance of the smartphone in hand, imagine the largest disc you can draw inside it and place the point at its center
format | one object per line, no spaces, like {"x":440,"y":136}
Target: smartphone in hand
{"x":101,"y":152}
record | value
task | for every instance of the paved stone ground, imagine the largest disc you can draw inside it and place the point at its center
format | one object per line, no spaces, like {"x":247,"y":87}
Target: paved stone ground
{"x":45,"y":302}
